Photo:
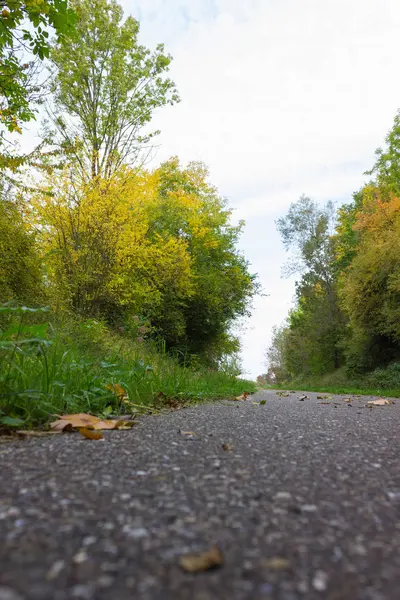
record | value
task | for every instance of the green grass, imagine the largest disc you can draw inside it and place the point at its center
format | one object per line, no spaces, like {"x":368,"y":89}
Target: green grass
{"x":380,"y":382}
{"x":341,"y":390}
{"x":49,"y":368}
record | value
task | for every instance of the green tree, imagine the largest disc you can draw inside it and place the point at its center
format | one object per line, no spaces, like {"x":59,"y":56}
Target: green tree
{"x":106,"y":87}
{"x":24,"y":31}
{"x":316,"y":325}
{"x":387,"y":165}
{"x":20,"y":268}
{"x":191,"y":209}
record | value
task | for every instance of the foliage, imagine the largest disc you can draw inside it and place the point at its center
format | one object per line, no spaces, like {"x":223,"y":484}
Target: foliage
{"x":371,"y":285}
{"x":387,"y":166}
{"x":157,"y":244}
{"x":106,"y":87}
{"x":348,"y":298}
{"x":310,"y":342}
{"x":25,"y":29}
{"x":51,"y":367}
{"x":20,"y":269}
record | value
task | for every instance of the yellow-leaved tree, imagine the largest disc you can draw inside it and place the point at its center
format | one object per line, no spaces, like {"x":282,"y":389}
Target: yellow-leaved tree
{"x":155,"y":243}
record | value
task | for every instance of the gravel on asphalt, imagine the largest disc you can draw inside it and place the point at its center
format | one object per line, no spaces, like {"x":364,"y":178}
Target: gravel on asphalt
{"x":303,"y":503}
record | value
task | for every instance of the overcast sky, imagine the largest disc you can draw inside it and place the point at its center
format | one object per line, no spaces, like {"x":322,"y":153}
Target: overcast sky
{"x":279,"y":98}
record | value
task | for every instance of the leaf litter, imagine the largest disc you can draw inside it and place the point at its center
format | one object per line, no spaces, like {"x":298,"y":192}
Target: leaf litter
{"x":203,"y":561}
{"x":84,"y":421}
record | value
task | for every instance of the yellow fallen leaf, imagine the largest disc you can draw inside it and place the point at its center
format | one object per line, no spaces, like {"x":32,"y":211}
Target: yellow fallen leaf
{"x":33,"y":433}
{"x":277,"y":563}
{"x":195,"y":563}
{"x":90,"y":434}
{"x":242,"y":396}
{"x":227,"y":447}
{"x":379,"y":402}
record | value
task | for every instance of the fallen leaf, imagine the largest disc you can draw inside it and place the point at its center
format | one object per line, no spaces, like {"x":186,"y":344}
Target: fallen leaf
{"x":242,"y":397}
{"x":70,"y":422}
{"x":33,"y":433}
{"x":302,"y":398}
{"x":262,"y":402}
{"x":283,"y":394}
{"x":90,"y":434}
{"x":379,"y":402}
{"x":277,"y":563}
{"x":347,"y":399}
{"x":188,"y":433}
{"x":227,"y":447}
{"x":195,"y":563}
{"x":324,"y":402}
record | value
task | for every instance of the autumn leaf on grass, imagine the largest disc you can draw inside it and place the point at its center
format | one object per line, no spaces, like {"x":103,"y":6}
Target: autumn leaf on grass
{"x":241,"y":397}
{"x":195,"y":563}
{"x":119,"y":391}
{"x":379,"y":402}
{"x":90,"y":434}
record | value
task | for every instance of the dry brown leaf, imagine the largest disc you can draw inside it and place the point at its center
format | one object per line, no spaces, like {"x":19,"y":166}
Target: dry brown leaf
{"x":69,"y":422}
{"x":33,"y":433}
{"x":277,"y":563}
{"x":379,"y":402}
{"x":241,"y":397}
{"x":90,"y":434}
{"x":227,"y":447}
{"x":195,"y":563}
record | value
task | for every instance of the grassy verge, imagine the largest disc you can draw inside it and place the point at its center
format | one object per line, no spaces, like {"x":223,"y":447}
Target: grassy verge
{"x":381,"y":382}
{"x":49,"y":368}
{"x":348,"y":390}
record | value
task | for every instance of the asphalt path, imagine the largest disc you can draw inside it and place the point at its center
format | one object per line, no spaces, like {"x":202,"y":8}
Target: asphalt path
{"x":301,"y":498}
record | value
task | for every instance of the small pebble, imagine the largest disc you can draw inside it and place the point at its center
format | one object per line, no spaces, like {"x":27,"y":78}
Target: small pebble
{"x":6,"y":593}
{"x":308,"y":508}
{"x":394,"y":496}
{"x":283,"y":496}
{"x":80,"y":557}
{"x":55,"y":570}
{"x":320,"y":581}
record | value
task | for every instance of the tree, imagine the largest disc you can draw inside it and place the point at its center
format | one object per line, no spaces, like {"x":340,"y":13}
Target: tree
{"x":106,"y":87}
{"x":157,"y":244}
{"x":25,"y":30}
{"x":387,"y":165}
{"x":20,"y":269}
{"x":370,"y":290}
{"x":191,"y":209}
{"x":317,"y":319}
